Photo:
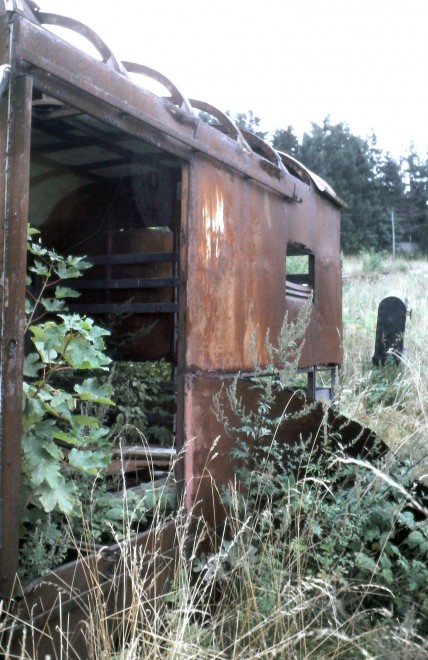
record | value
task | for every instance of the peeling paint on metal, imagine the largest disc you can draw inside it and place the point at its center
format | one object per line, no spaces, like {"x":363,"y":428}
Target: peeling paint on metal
{"x":213,"y":219}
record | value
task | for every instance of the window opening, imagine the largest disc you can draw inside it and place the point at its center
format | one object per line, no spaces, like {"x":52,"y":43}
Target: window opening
{"x":300,"y":271}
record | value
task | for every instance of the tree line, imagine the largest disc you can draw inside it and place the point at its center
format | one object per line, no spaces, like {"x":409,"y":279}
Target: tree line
{"x":380,"y":191}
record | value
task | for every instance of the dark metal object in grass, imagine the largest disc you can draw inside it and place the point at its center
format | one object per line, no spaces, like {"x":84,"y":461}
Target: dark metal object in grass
{"x":391,"y":324}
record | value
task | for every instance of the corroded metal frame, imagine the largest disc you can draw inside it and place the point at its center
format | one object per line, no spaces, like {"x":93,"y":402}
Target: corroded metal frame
{"x":15,"y":130}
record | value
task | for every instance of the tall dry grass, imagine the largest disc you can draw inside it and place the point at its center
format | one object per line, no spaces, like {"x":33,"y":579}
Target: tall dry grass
{"x":256,"y":597}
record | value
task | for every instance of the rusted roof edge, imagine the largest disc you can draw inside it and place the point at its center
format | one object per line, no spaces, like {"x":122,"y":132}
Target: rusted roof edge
{"x":318,"y":181}
{"x":272,"y":161}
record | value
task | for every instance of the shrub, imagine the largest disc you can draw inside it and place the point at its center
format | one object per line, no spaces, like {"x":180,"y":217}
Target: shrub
{"x":373,"y":262}
{"x":141,"y":403}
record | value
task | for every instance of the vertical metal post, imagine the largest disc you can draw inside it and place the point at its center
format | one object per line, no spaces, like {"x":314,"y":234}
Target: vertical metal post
{"x":15,"y":140}
{"x":333,"y":372}
{"x":182,"y":384}
{"x":312,"y":382}
{"x":393,"y":232}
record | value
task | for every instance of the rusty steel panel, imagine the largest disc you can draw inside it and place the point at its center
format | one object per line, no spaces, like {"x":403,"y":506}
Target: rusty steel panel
{"x":207,"y":462}
{"x":238,"y":234}
{"x":236,"y":241}
{"x":315,"y":223}
{"x":61,"y":604}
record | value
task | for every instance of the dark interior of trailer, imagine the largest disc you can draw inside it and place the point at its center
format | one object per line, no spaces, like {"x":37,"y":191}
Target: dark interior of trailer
{"x":99,"y":192}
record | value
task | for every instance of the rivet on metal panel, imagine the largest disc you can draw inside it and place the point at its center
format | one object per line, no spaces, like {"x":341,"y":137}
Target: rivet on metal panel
{"x":182,"y":117}
{"x":13,"y":344}
{"x":296,"y":198}
{"x":5,"y":285}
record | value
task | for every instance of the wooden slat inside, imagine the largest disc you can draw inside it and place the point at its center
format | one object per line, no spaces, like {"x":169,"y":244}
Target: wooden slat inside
{"x":123,"y":283}
{"x":133,"y":258}
{"x":151,"y":451}
{"x":128,"y":308}
{"x":297,"y":290}
{"x":119,"y":466}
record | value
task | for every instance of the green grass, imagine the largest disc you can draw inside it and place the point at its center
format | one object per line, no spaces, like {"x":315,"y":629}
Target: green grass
{"x":392,"y":401}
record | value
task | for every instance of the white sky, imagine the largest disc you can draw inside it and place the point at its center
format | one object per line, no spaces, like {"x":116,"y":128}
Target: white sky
{"x":291,"y":62}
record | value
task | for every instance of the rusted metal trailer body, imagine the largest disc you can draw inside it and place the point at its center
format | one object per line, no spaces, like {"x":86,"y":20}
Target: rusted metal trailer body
{"x":192,"y":222}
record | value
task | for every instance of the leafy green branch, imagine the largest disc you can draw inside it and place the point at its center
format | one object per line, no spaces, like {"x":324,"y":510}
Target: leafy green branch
{"x":46,"y":269}
{"x":58,"y":440}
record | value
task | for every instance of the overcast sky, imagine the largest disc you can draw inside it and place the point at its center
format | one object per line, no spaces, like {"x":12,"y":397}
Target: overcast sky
{"x":362,"y":62}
